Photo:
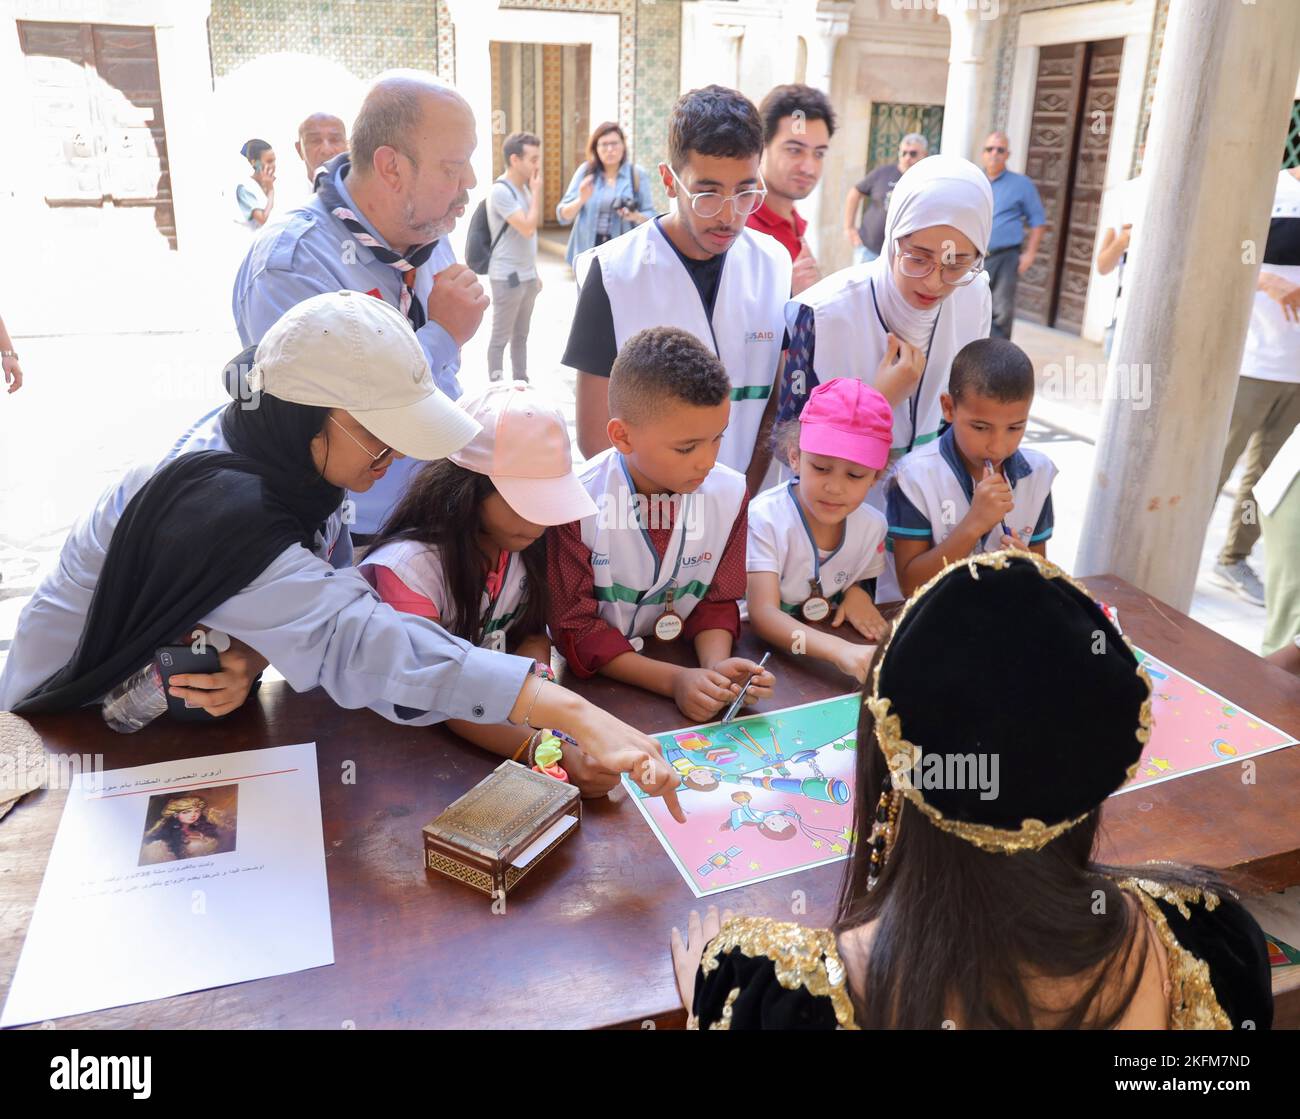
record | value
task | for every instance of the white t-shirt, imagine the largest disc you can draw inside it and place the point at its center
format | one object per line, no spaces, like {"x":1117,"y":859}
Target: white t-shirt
{"x":249,"y":196}
{"x":778,"y":542}
{"x":1272,"y":350}
{"x":1127,"y":202}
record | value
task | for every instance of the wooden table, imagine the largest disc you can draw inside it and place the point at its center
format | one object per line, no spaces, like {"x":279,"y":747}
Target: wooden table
{"x":584,"y":941}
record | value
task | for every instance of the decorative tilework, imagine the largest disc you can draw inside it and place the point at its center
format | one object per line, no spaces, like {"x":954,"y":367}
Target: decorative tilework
{"x":658,"y":82}
{"x":528,"y":90}
{"x":446,"y":43}
{"x":1149,"y":82}
{"x":365,"y":38}
{"x":626,"y":10}
{"x":377,"y":35}
{"x":553,"y":132}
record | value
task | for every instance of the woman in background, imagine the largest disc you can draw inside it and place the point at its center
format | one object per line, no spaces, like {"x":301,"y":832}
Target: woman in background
{"x":608,"y":194}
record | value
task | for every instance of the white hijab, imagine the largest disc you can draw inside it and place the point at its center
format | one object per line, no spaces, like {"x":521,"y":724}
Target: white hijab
{"x":938,"y":190}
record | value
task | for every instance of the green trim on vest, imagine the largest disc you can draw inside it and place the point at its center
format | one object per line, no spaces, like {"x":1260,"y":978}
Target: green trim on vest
{"x":503,"y":622}
{"x":921,"y":440}
{"x":751,"y":392}
{"x":620,"y":593}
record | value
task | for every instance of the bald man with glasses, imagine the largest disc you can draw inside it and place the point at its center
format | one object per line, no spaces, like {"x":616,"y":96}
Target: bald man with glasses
{"x":1015,"y":205}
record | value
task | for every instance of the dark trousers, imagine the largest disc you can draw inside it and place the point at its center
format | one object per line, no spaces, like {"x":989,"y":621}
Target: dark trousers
{"x":1002,"y":266}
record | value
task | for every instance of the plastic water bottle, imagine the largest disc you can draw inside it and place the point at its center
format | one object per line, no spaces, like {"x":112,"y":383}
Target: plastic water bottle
{"x":140,"y":699}
{"x":136,"y":701}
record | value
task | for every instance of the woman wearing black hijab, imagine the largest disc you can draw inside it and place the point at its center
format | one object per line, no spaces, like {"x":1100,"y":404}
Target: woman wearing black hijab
{"x":242,"y":529}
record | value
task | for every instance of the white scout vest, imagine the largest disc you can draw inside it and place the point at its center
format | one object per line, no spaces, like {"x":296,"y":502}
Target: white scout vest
{"x":850,"y":342}
{"x":631,"y":582}
{"x":776,"y":515}
{"x":649,"y":286}
{"x":419,"y":566}
{"x":927,"y":479}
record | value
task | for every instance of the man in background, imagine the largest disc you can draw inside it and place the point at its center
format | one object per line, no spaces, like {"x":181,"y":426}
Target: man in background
{"x":1015,"y":205}
{"x":379,"y":224}
{"x":320,"y":138}
{"x":514,"y":202}
{"x":868,"y":234}
{"x":798,"y":123}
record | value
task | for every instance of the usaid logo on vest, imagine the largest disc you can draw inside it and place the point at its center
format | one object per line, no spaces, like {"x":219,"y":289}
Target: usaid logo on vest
{"x":691,"y":561}
{"x":759,"y":336}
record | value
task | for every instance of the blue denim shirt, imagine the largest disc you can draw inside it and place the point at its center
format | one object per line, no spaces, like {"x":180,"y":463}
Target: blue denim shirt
{"x":1015,"y":205}
{"x":583,"y":236}
{"x":312,"y":251}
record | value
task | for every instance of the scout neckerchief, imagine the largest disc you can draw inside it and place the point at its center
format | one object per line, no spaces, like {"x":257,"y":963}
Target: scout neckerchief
{"x":406,"y":264}
{"x":495,"y":585}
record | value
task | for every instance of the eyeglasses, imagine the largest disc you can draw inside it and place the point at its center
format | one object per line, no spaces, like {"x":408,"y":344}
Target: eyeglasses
{"x":375,"y":459}
{"x":709,"y":203}
{"x":996,"y":148}
{"x":918,"y":267}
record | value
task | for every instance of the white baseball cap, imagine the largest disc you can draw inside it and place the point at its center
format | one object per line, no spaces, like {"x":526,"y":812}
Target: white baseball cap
{"x":524,"y":448}
{"x":349,"y":350}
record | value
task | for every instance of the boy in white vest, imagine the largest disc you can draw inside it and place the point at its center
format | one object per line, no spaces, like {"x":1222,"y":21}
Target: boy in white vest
{"x":698,"y":268}
{"x":663,"y":558}
{"x":972,"y":489}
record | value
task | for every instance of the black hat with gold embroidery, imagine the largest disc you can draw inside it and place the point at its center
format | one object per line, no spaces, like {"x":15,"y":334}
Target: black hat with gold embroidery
{"x":1006,"y":703}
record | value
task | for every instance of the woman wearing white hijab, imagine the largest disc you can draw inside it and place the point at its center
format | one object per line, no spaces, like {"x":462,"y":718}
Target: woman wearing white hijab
{"x":897,"y":322}
{"x":859,"y":321}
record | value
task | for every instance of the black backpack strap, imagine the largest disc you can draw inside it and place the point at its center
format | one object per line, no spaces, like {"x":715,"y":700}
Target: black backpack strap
{"x":504,"y":224}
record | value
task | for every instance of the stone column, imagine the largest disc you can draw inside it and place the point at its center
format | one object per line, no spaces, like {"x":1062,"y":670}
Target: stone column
{"x":968,"y":100}
{"x":828,"y":24}
{"x":1222,"y":103}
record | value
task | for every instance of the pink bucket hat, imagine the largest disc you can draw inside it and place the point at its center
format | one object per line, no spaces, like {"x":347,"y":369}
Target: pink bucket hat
{"x":524,"y":448}
{"x":846,"y":418}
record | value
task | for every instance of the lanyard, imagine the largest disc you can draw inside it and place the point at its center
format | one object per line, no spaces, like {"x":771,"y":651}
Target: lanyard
{"x":916,"y":396}
{"x":803,"y":520}
{"x":493,"y":599}
{"x":645,"y":536}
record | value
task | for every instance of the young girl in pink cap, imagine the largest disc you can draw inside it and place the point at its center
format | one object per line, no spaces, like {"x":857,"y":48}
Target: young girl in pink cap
{"x":465,"y":547}
{"x":812,"y":541}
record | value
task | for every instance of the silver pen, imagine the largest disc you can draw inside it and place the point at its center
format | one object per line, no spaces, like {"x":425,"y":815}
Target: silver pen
{"x":735,"y":703}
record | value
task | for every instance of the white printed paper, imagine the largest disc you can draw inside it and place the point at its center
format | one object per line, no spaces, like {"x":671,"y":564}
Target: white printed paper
{"x":176,"y":877}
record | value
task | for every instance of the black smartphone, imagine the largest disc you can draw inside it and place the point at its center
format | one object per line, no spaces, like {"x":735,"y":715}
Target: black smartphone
{"x":513,"y":279}
{"x":177,"y":660}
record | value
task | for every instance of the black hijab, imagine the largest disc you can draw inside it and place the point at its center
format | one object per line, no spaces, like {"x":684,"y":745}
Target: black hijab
{"x":200,"y":530}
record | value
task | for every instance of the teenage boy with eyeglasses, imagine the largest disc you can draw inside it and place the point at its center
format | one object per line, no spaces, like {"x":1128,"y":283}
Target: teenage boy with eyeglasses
{"x":698,"y":268}
{"x":1015,"y":205}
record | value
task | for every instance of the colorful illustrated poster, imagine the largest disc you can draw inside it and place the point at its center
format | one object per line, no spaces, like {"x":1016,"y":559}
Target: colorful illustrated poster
{"x":1194,"y":728}
{"x":764,"y":796}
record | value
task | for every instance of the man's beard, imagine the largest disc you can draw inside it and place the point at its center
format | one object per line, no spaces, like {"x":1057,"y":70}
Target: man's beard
{"x":424,"y":232}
